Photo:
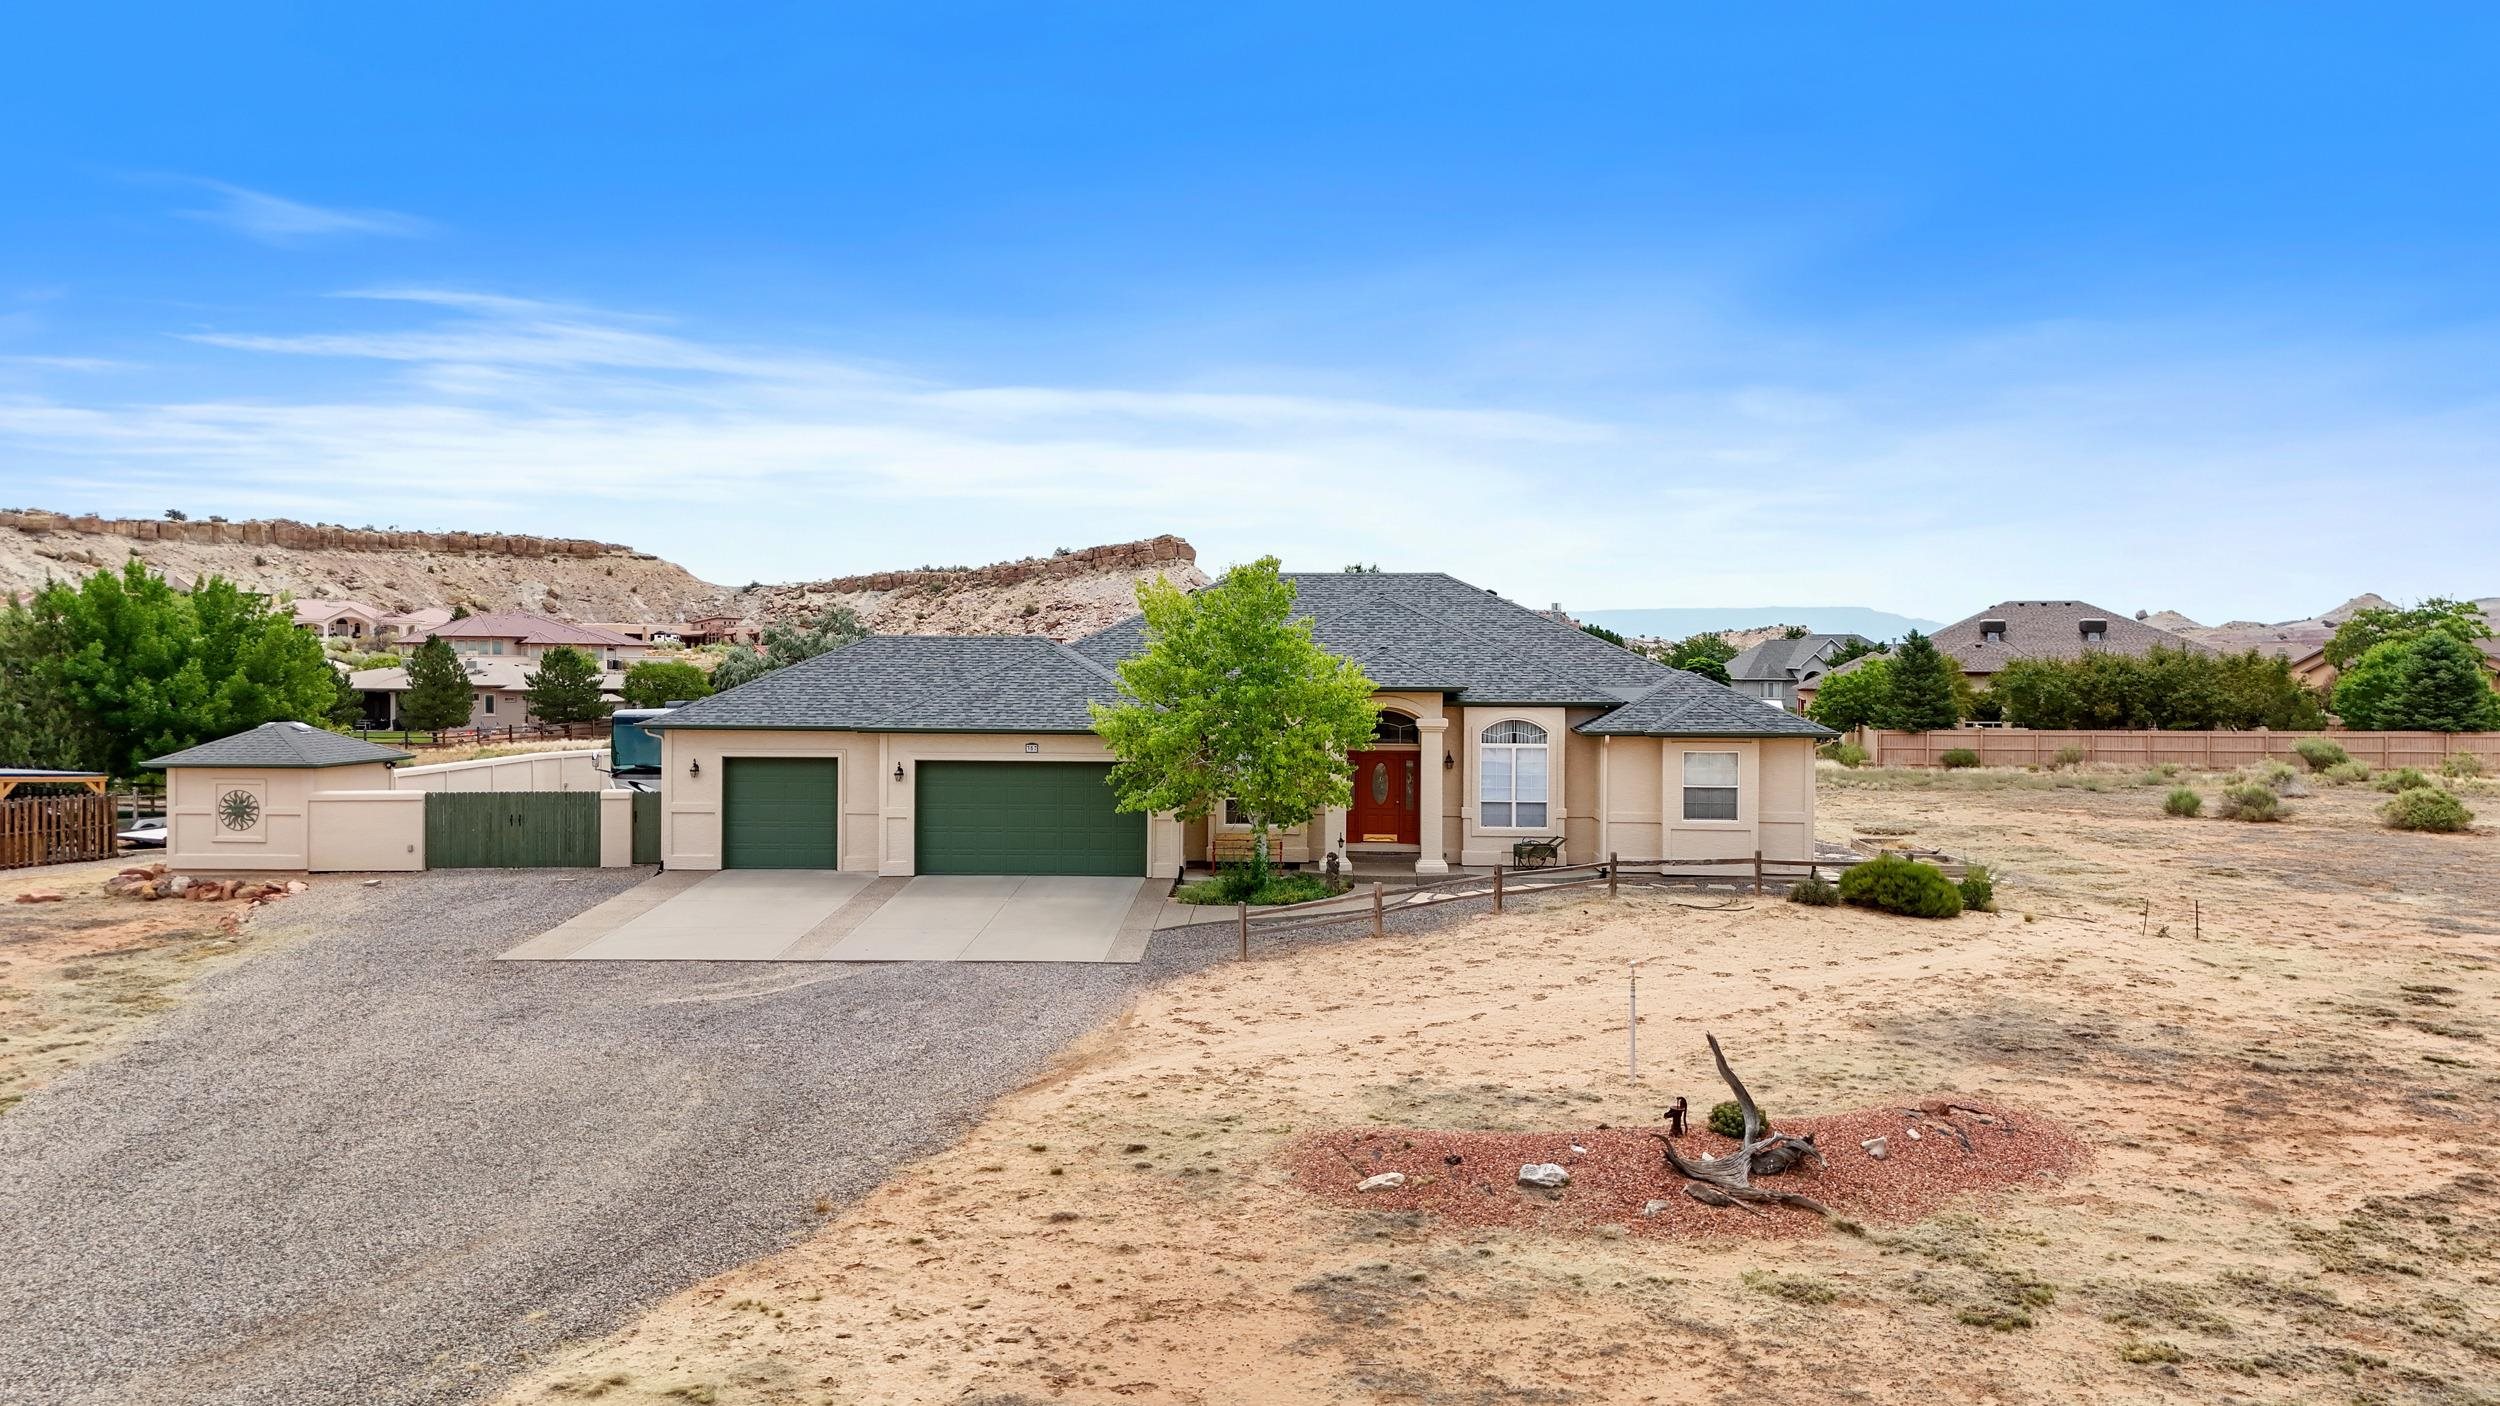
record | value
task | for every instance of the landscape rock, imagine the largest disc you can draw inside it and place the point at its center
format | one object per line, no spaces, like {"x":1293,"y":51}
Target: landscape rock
{"x":39,"y":898}
{"x":1386,"y":1181}
{"x":1545,"y":1174}
{"x":1651,"y":1208}
{"x":1877,"y":1148}
{"x":176,"y":886}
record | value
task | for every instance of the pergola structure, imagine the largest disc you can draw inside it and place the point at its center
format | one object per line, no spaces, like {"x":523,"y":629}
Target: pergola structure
{"x":13,"y":777}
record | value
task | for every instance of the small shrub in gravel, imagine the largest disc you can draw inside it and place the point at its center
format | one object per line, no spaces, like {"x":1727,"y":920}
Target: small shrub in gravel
{"x":2320,"y":753}
{"x":2461,"y":765}
{"x":2247,"y":800}
{"x":1796,"y":1288}
{"x":2070,"y":755}
{"x":2277,"y":775}
{"x":2346,"y":773}
{"x":1848,"y":754}
{"x":2403,"y":778}
{"x":1814,"y":891}
{"x":1903,"y":886}
{"x":1978,"y":889}
{"x":2183,"y":802}
{"x":1959,"y":758}
{"x":2427,"y":808}
{"x":1728,"y":1119}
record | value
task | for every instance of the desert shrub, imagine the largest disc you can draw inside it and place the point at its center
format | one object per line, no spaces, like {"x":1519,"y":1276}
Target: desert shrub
{"x":1978,"y":889}
{"x":2461,"y":765}
{"x":1904,"y":886}
{"x":2345,"y":773}
{"x":2403,"y":778}
{"x":2320,"y":752}
{"x":2426,"y":808}
{"x":2070,"y":755}
{"x":1959,"y":757}
{"x":1845,"y":753}
{"x":1238,"y":883}
{"x":2277,"y":775}
{"x":2246,"y":800}
{"x":1728,"y":1119}
{"x":1814,"y":891}
{"x":2183,"y":802}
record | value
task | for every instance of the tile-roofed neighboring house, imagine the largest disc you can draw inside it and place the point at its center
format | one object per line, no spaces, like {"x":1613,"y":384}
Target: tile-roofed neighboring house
{"x":1499,"y":727}
{"x":499,"y":690}
{"x":284,"y":745}
{"x":528,"y":629}
{"x":339,"y":619}
{"x":1773,"y":669}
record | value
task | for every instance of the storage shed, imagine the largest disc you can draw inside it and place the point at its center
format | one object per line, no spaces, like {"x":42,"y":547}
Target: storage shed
{"x":245,"y":802}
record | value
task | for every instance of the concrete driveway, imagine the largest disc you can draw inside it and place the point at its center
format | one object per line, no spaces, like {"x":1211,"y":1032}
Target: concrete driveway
{"x":809,"y":915}
{"x":364,"y":1163}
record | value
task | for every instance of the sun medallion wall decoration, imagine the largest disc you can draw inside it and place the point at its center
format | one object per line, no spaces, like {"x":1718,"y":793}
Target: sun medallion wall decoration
{"x":238,"y":809}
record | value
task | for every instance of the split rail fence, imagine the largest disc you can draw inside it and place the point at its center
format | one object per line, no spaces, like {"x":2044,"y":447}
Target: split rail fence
{"x":1505,"y":884}
{"x":2214,"y":751}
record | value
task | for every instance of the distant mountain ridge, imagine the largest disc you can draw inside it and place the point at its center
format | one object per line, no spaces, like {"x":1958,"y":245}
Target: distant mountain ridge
{"x":2289,"y":638}
{"x":1675,"y":622}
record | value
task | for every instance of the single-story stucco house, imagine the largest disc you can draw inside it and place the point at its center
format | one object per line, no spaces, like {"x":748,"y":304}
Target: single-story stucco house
{"x":1774,"y":670}
{"x":911,"y":754}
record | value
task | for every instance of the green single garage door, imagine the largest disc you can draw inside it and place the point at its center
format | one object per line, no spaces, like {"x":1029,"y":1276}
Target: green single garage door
{"x":782,"y":813}
{"x":1024,"y":818}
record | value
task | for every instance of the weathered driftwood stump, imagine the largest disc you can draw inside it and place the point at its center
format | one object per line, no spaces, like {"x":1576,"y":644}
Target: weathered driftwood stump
{"x":1728,"y":1180}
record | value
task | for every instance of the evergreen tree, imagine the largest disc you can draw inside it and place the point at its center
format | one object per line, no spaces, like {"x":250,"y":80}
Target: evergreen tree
{"x":565,"y":687}
{"x":1705,"y":654}
{"x":1919,"y":693}
{"x":2441,"y":687}
{"x":439,"y":690}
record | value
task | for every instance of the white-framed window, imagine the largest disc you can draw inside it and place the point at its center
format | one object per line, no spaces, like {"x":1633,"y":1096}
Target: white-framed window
{"x":1710,"y":785}
{"x":1512,"y":776}
{"x":1234,"y":814}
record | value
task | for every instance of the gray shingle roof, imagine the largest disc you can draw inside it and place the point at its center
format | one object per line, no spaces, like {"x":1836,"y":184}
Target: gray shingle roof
{"x":282,"y":745}
{"x":1783,"y":659}
{"x":917,"y":683}
{"x":1423,"y":632}
{"x":2049,"y":629}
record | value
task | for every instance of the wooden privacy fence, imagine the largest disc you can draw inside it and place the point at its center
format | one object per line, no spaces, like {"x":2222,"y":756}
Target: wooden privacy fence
{"x":55,"y":829}
{"x":2215,"y":751}
{"x":511,"y":829}
{"x":1505,"y":884}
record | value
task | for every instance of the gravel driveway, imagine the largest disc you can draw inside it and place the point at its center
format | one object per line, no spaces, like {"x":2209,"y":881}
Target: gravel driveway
{"x":370,"y":1164}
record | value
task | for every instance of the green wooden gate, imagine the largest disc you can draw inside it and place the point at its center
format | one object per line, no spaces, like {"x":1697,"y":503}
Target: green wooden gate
{"x":512,"y":830}
{"x":646,"y":827}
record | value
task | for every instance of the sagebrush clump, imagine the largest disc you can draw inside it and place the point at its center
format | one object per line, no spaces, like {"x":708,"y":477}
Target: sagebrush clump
{"x":2461,"y":765}
{"x":2320,"y":753}
{"x":2247,"y":800}
{"x":1903,"y":886}
{"x":2346,"y":773}
{"x":1848,"y":754}
{"x":2403,"y":778}
{"x":2070,"y":755}
{"x":2183,"y":802}
{"x":1978,"y":889}
{"x":1959,"y":758}
{"x":2430,"y":808}
{"x":1814,"y":891}
{"x":2277,"y":774}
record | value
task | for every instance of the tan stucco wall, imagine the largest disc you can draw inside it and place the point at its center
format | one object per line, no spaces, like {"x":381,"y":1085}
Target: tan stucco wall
{"x":354,"y":831}
{"x":529,"y":771}
{"x":1644,"y":810}
{"x":281,"y":838}
{"x":1483,"y":845}
{"x":877,"y":811}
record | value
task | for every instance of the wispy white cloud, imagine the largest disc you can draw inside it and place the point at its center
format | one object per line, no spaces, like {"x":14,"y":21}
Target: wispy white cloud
{"x":274,"y":219}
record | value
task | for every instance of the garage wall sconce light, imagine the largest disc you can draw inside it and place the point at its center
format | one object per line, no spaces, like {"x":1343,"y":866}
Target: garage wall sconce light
{"x":694,"y":768}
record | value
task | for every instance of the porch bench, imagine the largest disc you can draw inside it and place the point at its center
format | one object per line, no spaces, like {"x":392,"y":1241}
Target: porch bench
{"x":1536,"y":853}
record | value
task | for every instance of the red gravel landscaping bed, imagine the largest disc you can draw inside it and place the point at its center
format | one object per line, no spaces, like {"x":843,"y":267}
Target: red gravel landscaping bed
{"x":1618,"y":1171}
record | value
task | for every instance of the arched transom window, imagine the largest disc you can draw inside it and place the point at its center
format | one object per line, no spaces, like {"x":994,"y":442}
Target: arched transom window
{"x":1396,"y":727}
{"x":1511,"y":780}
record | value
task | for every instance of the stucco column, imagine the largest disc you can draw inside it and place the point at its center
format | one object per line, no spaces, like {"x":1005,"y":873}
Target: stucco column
{"x":1432,"y":825}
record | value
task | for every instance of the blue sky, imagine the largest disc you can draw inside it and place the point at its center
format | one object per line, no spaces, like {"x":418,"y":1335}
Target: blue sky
{"x":1915,"y":307}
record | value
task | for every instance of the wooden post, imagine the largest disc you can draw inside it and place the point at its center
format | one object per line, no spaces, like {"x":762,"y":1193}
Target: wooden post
{"x":1614,"y":862}
{"x":1379,"y":929}
{"x":1244,"y":914}
{"x":1497,"y":888}
{"x":1757,"y":871}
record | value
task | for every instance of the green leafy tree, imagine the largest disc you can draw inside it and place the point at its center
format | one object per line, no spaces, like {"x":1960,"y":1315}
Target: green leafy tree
{"x":1795,"y":632}
{"x":2179,"y":689}
{"x":1231,"y":698}
{"x":2380,"y":624}
{"x":1852,"y":697}
{"x":1847,"y":650}
{"x":1705,"y":654}
{"x":1920,"y":694}
{"x":2441,"y":687}
{"x":459,"y":611}
{"x":785,"y":645}
{"x":1609,"y":636}
{"x":565,"y":687}
{"x":148,"y":669}
{"x":40,"y":721}
{"x":654,"y":683}
{"x":439,"y":689}
{"x":742,"y":664}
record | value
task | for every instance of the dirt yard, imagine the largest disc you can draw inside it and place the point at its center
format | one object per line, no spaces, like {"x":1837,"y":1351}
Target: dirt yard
{"x":2286,"y":1092}
{"x":78,"y":975}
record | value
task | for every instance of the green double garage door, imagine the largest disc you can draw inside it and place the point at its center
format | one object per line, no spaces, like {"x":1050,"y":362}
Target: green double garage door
{"x":969,"y":818}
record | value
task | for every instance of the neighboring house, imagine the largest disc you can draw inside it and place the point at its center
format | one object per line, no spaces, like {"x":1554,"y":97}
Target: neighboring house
{"x":1775,"y":669}
{"x":720,"y":629}
{"x":499,"y":696}
{"x":340,"y":619}
{"x":412,"y":625}
{"x":913,"y":754}
{"x":517,"y":634}
{"x":2032,"y":629}
{"x":644,"y":631}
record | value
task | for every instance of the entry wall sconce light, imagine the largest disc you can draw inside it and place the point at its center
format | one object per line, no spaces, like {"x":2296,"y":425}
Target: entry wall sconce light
{"x":1448,"y":761}
{"x":694,"y":768}
{"x":898,"y":771}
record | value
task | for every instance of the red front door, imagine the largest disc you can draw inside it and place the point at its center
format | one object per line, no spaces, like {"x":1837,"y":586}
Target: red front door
{"x":1384,"y":810}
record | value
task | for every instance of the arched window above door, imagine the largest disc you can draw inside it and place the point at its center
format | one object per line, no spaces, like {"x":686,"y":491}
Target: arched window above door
{"x":1396,"y":727}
